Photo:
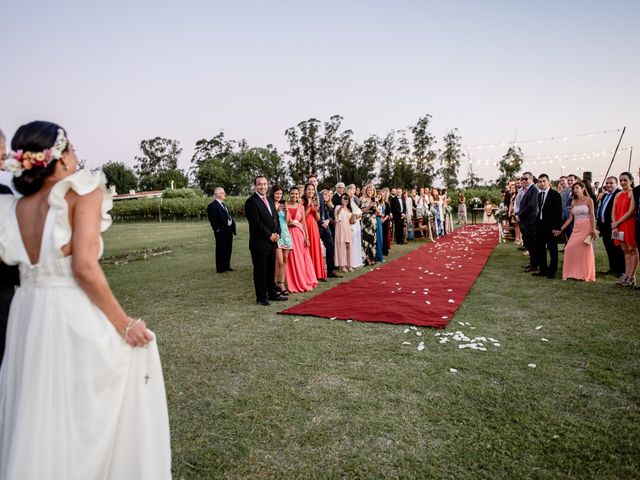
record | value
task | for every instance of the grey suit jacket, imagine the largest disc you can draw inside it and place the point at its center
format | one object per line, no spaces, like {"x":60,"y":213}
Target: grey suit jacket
{"x":529,"y":206}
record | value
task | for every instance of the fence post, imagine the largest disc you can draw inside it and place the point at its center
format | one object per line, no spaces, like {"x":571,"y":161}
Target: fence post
{"x":160,"y":211}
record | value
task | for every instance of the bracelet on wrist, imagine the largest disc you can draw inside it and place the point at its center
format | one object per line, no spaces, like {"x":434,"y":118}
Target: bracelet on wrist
{"x":132,"y":323}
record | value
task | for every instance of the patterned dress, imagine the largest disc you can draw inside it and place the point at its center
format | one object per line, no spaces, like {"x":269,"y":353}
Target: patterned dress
{"x":285,"y":241}
{"x":368,"y":233}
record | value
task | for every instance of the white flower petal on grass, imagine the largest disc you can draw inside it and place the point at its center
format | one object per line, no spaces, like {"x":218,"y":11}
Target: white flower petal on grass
{"x":406,"y":343}
{"x":421,"y":346}
{"x":406,"y":330}
{"x":461,"y":323}
{"x":332,"y":318}
{"x":496,"y":344}
{"x":538,"y":327}
{"x":413,"y":328}
{"x":436,"y":334}
{"x":492,"y":340}
{"x":453,"y":370}
{"x":444,"y":340}
{"x":544,"y":340}
{"x":349,"y":321}
{"x":419,"y":334}
{"x":532,"y":365}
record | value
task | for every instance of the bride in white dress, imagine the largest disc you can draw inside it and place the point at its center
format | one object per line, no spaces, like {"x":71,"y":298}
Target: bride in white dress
{"x":81,"y":388}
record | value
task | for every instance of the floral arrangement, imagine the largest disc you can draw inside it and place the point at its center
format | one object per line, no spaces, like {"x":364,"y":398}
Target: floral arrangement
{"x":501,"y":213}
{"x":20,"y":161}
{"x":475,"y":202}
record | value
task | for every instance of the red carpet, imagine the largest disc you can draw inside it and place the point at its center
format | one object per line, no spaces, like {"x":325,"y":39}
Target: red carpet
{"x":424,"y":287}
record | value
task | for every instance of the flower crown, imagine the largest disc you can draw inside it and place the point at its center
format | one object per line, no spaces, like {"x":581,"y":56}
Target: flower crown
{"x":20,"y":161}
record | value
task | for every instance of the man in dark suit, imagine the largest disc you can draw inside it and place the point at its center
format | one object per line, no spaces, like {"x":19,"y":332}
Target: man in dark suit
{"x":567,"y":198}
{"x":224,"y":228}
{"x":527,"y":218}
{"x":549,"y":218}
{"x":325,"y":232}
{"x":9,"y":276}
{"x":264,"y":232}
{"x":399,"y":213}
{"x":603,"y":217}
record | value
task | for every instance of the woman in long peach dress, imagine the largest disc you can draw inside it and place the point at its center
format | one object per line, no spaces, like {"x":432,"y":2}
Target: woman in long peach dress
{"x":579,"y":258}
{"x":312,"y":215}
{"x":343,"y":234}
{"x":300,"y":274}
{"x":623,"y":223}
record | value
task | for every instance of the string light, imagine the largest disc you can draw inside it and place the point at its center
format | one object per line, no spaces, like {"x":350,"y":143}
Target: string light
{"x":541,"y":140}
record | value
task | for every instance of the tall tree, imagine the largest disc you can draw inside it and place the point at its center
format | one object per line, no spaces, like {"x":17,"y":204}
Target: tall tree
{"x":304,"y":148}
{"x":387,"y":153}
{"x":216,"y":147}
{"x":368,"y":156}
{"x":158,"y":163}
{"x":346,"y":161}
{"x":423,"y":152}
{"x":450,"y":159}
{"x":403,"y":172}
{"x":327,"y":151}
{"x":120,"y":176}
{"x":510,"y":165}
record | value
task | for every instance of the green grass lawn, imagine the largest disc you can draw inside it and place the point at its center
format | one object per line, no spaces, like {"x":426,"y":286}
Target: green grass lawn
{"x":254,"y":394}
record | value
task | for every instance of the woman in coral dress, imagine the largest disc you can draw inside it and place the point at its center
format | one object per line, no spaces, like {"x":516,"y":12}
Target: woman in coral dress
{"x":312,"y":215}
{"x":579,"y":258}
{"x":300,"y":274}
{"x":623,"y":224}
{"x":81,"y":388}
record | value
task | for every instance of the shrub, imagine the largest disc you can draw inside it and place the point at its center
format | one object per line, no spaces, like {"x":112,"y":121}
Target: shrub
{"x":177,"y":208}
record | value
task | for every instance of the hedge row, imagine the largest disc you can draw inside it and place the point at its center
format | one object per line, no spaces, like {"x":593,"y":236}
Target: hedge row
{"x":179,"y":208}
{"x":184,"y":205}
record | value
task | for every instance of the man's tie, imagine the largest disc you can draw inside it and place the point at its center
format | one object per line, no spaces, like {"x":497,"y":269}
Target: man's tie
{"x":266,"y":204}
{"x":226,"y":209}
{"x":541,"y":202}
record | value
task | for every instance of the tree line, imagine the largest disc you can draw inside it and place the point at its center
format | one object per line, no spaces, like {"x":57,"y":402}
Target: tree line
{"x":406,"y":158}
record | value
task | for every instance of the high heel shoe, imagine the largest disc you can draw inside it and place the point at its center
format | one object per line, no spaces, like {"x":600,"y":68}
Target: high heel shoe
{"x":283,"y":290}
{"x":622,"y":280}
{"x":630,"y":282}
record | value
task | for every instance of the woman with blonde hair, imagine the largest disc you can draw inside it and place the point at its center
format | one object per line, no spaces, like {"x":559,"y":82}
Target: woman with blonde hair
{"x":368,"y":207}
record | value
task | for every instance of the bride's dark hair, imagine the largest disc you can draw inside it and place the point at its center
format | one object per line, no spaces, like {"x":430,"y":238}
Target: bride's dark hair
{"x":35,"y":137}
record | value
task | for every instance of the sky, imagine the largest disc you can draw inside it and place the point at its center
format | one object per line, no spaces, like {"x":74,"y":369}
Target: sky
{"x":115,"y":73}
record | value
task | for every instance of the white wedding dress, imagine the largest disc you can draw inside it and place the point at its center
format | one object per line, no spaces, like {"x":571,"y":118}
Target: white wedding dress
{"x":76,"y":402}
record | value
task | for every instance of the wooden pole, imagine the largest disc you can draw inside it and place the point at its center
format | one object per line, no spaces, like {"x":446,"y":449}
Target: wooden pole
{"x":614,"y":156}
{"x":630,"y":154}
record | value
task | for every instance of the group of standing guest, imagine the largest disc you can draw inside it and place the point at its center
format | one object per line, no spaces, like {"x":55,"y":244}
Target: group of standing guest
{"x":573,"y":213}
{"x":311,"y":236}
